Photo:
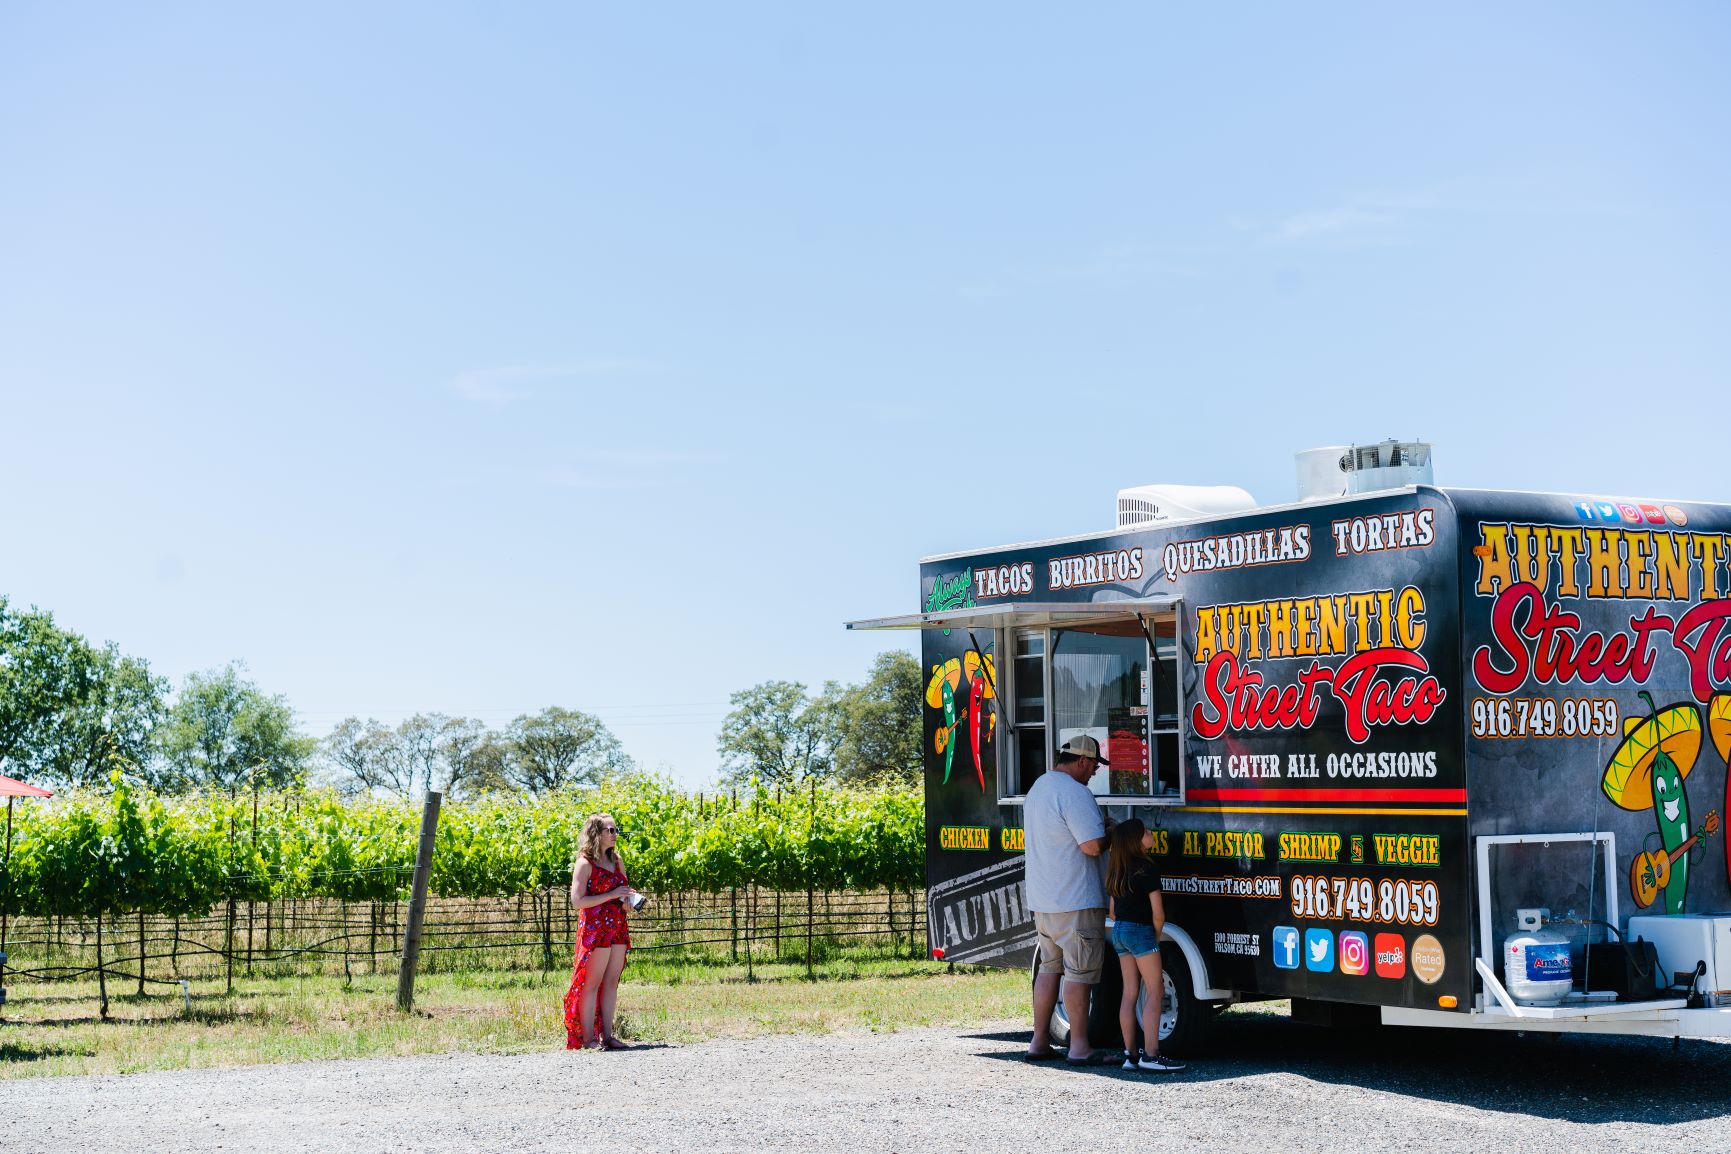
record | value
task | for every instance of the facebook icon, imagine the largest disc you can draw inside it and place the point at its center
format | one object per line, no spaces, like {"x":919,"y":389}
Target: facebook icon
{"x":1285,"y":948}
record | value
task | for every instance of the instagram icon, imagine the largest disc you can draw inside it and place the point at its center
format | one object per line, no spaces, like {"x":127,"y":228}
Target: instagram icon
{"x":1354,"y":952}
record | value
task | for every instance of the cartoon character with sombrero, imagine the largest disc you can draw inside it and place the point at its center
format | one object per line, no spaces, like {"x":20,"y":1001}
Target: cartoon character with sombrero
{"x":1647,"y":771}
{"x":978,"y":671}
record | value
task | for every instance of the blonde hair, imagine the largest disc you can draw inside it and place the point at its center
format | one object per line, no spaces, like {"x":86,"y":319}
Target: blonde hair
{"x":589,"y":843}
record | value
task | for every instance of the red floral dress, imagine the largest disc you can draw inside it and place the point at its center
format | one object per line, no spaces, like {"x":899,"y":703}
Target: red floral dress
{"x":598,"y":927}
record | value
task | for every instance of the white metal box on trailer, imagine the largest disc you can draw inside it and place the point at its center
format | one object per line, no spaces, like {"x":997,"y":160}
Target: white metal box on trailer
{"x":1685,"y":941}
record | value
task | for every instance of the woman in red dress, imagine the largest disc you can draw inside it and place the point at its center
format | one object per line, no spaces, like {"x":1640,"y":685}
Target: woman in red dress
{"x":598,"y":889}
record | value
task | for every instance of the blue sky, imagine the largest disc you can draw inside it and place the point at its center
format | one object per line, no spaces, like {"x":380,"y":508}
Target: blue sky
{"x":476,"y":358}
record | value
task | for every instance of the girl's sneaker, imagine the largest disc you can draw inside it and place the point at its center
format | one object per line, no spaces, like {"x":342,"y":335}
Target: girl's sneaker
{"x":1159,"y":1064}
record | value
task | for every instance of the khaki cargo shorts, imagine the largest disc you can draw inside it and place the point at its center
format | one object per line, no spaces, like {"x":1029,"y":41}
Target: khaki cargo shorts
{"x":1072,"y":943}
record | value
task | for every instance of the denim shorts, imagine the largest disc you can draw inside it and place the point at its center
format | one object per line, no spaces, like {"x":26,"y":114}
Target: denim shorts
{"x":1134,"y":939}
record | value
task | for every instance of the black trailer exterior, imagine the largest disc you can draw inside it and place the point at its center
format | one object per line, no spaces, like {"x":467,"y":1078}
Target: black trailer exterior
{"x":1323,"y":708}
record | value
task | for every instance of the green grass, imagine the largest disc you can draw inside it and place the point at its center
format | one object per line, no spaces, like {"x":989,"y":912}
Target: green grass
{"x":53,"y":1029}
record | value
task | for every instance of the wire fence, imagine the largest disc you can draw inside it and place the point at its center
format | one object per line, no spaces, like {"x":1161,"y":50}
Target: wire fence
{"x":535,"y":930}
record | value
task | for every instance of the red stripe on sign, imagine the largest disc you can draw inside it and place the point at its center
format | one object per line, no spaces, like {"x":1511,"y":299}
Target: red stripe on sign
{"x":1413,"y":795}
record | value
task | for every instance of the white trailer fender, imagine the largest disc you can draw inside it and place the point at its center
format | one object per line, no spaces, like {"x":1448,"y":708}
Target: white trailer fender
{"x":1198,"y":968}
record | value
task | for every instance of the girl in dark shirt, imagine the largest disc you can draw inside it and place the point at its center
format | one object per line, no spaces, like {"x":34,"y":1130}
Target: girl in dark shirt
{"x":1138,"y":916}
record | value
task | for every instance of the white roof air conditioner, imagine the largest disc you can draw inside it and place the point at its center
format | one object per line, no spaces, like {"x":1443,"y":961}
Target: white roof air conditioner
{"x":1147,"y":504}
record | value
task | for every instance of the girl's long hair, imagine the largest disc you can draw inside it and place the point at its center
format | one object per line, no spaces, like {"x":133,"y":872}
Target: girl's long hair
{"x":1126,"y":855}
{"x":589,"y":843}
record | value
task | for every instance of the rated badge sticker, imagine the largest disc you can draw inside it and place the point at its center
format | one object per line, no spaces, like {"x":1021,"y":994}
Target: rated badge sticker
{"x":1426,"y":959}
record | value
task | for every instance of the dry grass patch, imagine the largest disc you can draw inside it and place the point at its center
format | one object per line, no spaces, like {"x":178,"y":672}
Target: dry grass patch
{"x":57,"y":1029}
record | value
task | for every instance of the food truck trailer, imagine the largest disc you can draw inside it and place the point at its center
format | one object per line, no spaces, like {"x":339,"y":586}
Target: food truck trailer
{"x":1428,"y":756}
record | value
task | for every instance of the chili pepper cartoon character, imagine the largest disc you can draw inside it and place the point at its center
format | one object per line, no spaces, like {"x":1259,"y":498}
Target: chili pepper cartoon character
{"x":941,"y":694}
{"x":1719,"y":729}
{"x":977,"y":668}
{"x":1647,"y":771}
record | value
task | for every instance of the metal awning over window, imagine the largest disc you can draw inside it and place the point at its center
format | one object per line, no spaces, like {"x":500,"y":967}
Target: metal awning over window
{"x":1012,"y":614}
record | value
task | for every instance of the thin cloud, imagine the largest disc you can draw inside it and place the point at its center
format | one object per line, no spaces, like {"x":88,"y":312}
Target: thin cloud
{"x":615,"y":469}
{"x":582,"y":479}
{"x":1335,"y":224}
{"x":1386,"y":217}
{"x":885,"y":412}
{"x":1110,"y":266}
{"x":507,"y":383}
{"x":639,"y":458}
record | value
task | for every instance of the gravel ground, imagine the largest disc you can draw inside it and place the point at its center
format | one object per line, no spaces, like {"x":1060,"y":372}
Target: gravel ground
{"x":1270,"y":1084}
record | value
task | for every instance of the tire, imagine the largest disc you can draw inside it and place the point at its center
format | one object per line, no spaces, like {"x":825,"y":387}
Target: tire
{"x":1185,"y":1020}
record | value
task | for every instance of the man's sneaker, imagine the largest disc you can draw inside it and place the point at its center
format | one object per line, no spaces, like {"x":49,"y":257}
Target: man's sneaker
{"x":1130,"y":1060}
{"x":1160,"y":1064}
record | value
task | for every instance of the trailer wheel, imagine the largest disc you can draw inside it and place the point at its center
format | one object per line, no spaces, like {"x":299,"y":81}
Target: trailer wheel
{"x":1185,"y":1020}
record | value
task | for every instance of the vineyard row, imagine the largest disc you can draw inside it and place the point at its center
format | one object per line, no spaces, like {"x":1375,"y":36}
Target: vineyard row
{"x":134,"y":852}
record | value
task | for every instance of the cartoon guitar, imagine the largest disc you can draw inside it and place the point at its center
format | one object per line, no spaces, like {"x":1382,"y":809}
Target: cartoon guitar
{"x":1651,"y":870}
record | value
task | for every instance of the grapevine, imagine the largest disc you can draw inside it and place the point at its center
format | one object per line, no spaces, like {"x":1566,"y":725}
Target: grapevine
{"x":133,"y":851}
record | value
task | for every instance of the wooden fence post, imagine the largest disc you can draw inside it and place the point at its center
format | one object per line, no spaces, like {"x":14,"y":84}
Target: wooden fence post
{"x":778,"y":884}
{"x":101,"y":969}
{"x":751,"y":896}
{"x":417,"y":903}
{"x":733,"y":893}
{"x":228,"y":943}
{"x":547,"y":931}
{"x":810,"y":830}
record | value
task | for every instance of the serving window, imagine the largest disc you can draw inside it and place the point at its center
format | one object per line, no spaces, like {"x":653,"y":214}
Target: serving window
{"x":1115,"y":681}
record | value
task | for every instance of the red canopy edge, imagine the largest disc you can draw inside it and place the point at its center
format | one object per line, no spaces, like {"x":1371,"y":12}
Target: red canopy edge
{"x":11,"y":787}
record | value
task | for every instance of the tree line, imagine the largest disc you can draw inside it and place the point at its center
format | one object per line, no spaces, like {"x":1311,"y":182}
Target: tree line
{"x":871,"y":732}
{"x":73,"y":714}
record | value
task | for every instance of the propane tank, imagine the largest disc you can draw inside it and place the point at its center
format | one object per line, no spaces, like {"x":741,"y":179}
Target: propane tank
{"x":1536,"y":966}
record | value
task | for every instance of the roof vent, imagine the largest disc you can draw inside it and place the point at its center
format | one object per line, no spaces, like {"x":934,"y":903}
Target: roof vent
{"x":1341,"y":470}
{"x":1147,"y":504}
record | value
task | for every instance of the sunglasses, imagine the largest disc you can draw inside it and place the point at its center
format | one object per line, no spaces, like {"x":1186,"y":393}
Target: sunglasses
{"x":612,"y":829}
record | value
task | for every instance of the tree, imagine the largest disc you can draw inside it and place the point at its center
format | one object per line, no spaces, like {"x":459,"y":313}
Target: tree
{"x":69,"y":713}
{"x":475,"y":758}
{"x":777,"y":734}
{"x":224,"y":732}
{"x":878,"y":727}
{"x":454,"y":755}
{"x":45,"y":675}
{"x":114,"y":723}
{"x":367,"y":758}
{"x":418,"y":739}
{"x":559,"y":747}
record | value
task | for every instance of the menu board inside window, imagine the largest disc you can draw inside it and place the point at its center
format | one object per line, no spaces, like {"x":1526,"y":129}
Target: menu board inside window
{"x":1127,"y":749}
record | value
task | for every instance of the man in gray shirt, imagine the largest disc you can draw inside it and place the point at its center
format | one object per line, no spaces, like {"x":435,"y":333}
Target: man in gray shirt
{"x":1065,"y":834}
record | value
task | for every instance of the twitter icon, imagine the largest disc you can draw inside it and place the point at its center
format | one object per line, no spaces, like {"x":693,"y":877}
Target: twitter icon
{"x":1318,"y":950}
